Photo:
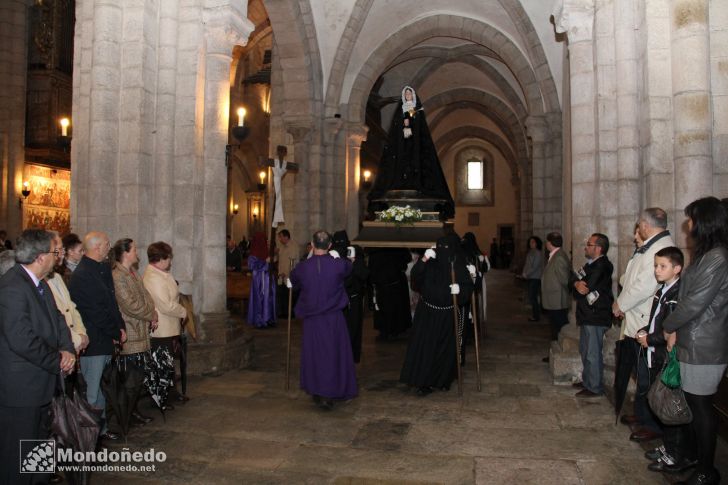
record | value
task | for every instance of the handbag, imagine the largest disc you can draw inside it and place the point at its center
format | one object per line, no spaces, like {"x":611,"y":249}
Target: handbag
{"x":668,"y":403}
{"x":74,"y":422}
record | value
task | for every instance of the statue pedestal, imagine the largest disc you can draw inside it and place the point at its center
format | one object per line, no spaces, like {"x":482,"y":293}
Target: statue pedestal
{"x":433,"y":207}
{"x":379,"y":234}
{"x":227,"y":344}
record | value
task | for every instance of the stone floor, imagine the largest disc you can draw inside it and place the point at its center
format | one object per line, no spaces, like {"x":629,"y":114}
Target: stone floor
{"x":242,"y":427}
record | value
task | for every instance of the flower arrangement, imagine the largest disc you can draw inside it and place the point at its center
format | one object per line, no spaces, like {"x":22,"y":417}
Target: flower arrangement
{"x":400,"y":215}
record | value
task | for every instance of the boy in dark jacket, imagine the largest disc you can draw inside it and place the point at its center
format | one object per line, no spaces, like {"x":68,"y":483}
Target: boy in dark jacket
{"x":671,"y":457}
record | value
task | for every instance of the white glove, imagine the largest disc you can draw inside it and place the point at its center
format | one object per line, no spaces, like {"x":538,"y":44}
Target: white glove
{"x":455,"y":289}
{"x":430,"y":254}
{"x":334,"y":254}
{"x":351,"y":253}
{"x":481,"y":258}
{"x":471,"y":269}
{"x":288,"y":283}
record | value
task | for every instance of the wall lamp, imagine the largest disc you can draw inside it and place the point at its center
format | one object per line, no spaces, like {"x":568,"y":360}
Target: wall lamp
{"x":366,"y":179}
{"x":25,"y":192}
{"x":261,"y":177}
{"x":64,"y":140}
{"x":236,"y":209}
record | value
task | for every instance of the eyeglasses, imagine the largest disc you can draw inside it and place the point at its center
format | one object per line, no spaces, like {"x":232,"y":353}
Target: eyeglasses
{"x":57,"y":252}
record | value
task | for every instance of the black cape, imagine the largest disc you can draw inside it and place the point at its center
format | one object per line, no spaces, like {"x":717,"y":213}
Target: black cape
{"x":431,"y":358}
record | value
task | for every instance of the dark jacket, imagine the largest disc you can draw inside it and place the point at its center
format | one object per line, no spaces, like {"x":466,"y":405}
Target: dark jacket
{"x":701,"y":315}
{"x":92,"y":290}
{"x":598,"y":277}
{"x":656,"y":338}
{"x":32,"y":333}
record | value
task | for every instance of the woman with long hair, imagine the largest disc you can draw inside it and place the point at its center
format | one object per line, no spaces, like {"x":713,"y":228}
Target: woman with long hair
{"x":699,"y":327}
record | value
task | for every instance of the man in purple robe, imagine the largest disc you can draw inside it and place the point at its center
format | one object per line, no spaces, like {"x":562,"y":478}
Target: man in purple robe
{"x":327,"y":365}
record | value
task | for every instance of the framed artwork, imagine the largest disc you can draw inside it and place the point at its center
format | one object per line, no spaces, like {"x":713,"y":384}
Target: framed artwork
{"x":474,"y":177}
{"x":47,"y":206}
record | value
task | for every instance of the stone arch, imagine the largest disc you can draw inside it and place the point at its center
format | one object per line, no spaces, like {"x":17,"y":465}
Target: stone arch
{"x":447,"y":140}
{"x":497,"y":110}
{"x":442,"y":25}
{"x":521,"y":20}
{"x":483,"y":66}
{"x":464,"y":105}
{"x":298,"y":56}
{"x":341,"y":59}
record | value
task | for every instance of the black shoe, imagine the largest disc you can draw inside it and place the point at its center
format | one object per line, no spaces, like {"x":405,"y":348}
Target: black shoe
{"x":531,"y":319}
{"x":578,"y":385}
{"x":445,"y":388}
{"x":56,"y":478}
{"x":702,"y":478}
{"x":168,"y":407}
{"x":587,"y":393}
{"x":664,"y":465}
{"x":546,"y":359}
{"x":654,"y":454}
{"x":110,"y":435}
{"x":629,"y":420}
{"x":141,"y":419}
{"x":182,"y":398}
{"x":424,"y":391}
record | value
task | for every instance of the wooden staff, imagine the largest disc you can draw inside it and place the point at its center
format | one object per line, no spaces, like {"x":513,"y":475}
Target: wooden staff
{"x":291,"y":262}
{"x":476,"y":322}
{"x":455,"y":322}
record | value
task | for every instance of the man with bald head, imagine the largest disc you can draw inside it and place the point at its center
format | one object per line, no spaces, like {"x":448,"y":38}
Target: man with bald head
{"x":92,"y":290}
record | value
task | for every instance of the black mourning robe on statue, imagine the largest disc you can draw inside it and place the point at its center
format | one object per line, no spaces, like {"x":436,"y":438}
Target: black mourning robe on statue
{"x":431,"y":356}
{"x":411,"y":163}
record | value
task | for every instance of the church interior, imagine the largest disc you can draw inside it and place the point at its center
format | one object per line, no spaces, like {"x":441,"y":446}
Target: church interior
{"x":162,"y":120}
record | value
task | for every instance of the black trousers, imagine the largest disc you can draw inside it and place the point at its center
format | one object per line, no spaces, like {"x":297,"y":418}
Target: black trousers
{"x":26,"y":423}
{"x":705,"y":429}
{"x":354,"y":315}
{"x":557,"y":319}
{"x":534,"y":293}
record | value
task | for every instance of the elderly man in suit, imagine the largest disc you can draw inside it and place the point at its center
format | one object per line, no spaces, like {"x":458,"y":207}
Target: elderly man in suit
{"x":634,"y":304}
{"x":35,"y":346}
{"x":555,"y":289}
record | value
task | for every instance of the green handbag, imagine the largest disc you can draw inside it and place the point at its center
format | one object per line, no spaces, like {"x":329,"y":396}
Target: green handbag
{"x":671,"y":372}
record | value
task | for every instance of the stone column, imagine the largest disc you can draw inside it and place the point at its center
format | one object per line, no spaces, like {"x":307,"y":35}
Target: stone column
{"x":628,"y":149}
{"x":150,"y":129}
{"x":538,"y":132}
{"x":355,"y":137}
{"x":13,"y":69}
{"x":554,"y":171}
{"x":576,"y":19}
{"x":301,"y":223}
{"x":692,"y":117}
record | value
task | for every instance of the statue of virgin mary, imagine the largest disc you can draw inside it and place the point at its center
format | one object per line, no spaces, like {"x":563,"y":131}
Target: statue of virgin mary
{"x":409,"y":160}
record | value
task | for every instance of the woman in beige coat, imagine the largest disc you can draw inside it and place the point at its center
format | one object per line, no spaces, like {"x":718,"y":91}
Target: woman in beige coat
{"x":137,"y":309}
{"x":165,"y":293}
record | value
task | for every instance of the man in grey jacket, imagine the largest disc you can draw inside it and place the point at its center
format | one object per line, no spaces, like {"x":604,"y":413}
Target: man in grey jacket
{"x":555,"y":291}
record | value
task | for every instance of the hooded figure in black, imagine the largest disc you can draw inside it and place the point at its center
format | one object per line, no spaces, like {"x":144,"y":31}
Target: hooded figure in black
{"x":355,"y":285}
{"x":390,"y":293}
{"x":431,"y":358}
{"x":409,"y":160}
